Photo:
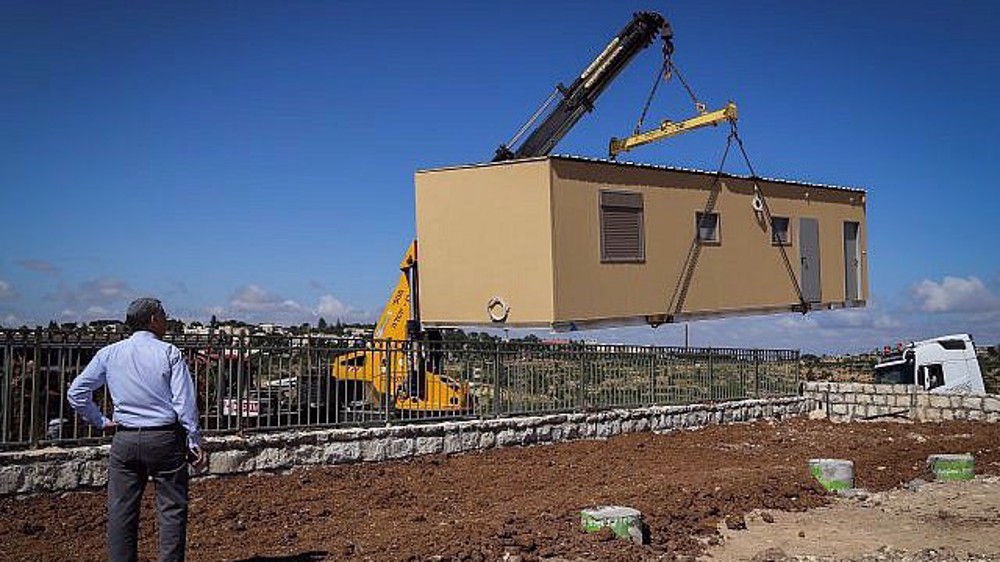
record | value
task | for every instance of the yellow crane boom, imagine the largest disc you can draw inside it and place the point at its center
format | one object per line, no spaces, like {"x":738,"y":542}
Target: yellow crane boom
{"x":672,"y":128}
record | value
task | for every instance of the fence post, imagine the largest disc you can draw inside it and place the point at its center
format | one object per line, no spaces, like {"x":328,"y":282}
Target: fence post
{"x":756,"y":374}
{"x":582,"y":398}
{"x":651,"y":396}
{"x":497,"y":366}
{"x":711,"y":375}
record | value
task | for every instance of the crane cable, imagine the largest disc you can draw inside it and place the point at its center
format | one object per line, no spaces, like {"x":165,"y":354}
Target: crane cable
{"x":668,"y":70}
{"x":734,"y":134}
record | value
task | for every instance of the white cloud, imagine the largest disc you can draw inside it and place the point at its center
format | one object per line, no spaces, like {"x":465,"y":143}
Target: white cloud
{"x":6,"y":291}
{"x":954,"y":294}
{"x":40,"y":266}
{"x":11,"y":320}
{"x":332,"y":309}
{"x":104,"y":292}
{"x":253,"y":303}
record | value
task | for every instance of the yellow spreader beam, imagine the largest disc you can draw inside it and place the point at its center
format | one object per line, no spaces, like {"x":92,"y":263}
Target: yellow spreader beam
{"x":672,"y":128}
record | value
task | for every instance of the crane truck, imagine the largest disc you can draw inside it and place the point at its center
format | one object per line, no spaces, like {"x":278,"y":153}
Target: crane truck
{"x":401,"y":371}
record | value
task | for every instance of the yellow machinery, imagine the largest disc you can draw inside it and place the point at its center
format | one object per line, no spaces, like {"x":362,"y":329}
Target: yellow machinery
{"x":672,"y":128}
{"x":403,"y":363}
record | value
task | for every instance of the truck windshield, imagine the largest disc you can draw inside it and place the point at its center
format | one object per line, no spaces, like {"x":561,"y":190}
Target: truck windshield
{"x":900,"y":372}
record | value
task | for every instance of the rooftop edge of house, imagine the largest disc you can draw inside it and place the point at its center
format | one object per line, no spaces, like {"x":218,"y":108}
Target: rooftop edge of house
{"x":570,"y":157}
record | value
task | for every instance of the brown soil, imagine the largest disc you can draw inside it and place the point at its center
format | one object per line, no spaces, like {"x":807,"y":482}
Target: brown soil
{"x":515,"y":503}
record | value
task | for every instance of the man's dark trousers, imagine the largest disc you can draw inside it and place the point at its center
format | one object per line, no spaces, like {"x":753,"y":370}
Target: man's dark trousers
{"x":136,"y":456}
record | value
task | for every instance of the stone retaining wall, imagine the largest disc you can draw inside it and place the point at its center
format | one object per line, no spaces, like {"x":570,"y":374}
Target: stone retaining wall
{"x":857,"y":401}
{"x":57,"y":469}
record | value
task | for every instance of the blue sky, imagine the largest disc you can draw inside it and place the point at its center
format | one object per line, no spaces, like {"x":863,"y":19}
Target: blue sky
{"x":255,"y":160}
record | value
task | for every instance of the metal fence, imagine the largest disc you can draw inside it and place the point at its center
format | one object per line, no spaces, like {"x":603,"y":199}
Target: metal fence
{"x":254,"y":383}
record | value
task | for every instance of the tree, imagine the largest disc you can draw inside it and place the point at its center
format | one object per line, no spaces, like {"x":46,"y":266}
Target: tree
{"x":321,"y":325}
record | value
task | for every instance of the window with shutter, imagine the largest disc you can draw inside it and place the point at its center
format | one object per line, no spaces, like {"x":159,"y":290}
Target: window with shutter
{"x":622,"y":237}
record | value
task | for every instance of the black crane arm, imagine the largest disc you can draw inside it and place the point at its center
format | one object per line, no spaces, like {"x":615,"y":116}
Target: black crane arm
{"x":579,"y":97}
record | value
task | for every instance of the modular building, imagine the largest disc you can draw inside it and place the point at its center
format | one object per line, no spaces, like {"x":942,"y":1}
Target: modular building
{"x":568,"y":243}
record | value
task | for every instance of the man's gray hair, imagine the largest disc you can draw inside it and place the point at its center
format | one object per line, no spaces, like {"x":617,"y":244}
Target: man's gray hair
{"x":140,"y":312}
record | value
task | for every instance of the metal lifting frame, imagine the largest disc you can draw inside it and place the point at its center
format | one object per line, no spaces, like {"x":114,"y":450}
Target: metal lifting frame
{"x":672,"y":128}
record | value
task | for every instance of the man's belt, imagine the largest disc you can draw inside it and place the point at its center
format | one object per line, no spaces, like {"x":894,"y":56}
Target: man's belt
{"x":169,"y":427}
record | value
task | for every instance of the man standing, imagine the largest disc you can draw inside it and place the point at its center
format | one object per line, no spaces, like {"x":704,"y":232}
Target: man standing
{"x":155,"y":430}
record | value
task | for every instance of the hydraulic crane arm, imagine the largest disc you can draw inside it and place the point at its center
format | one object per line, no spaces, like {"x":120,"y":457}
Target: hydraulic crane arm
{"x":672,"y":128}
{"x":579,"y":97}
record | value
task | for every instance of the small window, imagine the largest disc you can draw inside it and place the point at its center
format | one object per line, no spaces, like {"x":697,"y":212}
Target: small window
{"x":935,"y":376}
{"x":779,"y":231}
{"x":622,"y":238}
{"x":708,"y":227}
{"x":953,"y":345}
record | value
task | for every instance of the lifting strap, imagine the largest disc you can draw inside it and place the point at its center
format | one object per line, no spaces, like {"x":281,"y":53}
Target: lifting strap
{"x":770,"y":223}
{"x":694,"y":250}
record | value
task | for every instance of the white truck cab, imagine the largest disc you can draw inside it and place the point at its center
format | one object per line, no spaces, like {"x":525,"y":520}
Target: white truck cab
{"x":944,"y":365}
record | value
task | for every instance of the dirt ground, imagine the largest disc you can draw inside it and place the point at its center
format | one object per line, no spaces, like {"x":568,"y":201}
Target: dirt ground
{"x":696,"y":489}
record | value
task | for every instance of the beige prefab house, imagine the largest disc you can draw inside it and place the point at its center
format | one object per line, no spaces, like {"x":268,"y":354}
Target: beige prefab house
{"x":569,"y":243}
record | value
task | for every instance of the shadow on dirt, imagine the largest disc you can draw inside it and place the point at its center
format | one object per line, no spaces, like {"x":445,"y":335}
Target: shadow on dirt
{"x":312,"y":556}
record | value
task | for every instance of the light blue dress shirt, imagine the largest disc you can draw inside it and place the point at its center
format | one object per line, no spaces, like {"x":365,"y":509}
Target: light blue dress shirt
{"x":149,"y":382}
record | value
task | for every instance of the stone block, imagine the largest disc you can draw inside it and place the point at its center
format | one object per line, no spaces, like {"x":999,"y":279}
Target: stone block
{"x":401,"y":448}
{"x":93,"y":473}
{"x":972,"y":402}
{"x":475,"y":440}
{"x":429,"y":445}
{"x":487,"y":440}
{"x":940,"y":401}
{"x":374,"y":450}
{"x":991,"y":404}
{"x":453,"y":443}
{"x":230,"y":462}
{"x":341,"y":452}
{"x":274,"y":458}
{"x":507,"y":438}
{"x":976,"y":415}
{"x":11,"y":480}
